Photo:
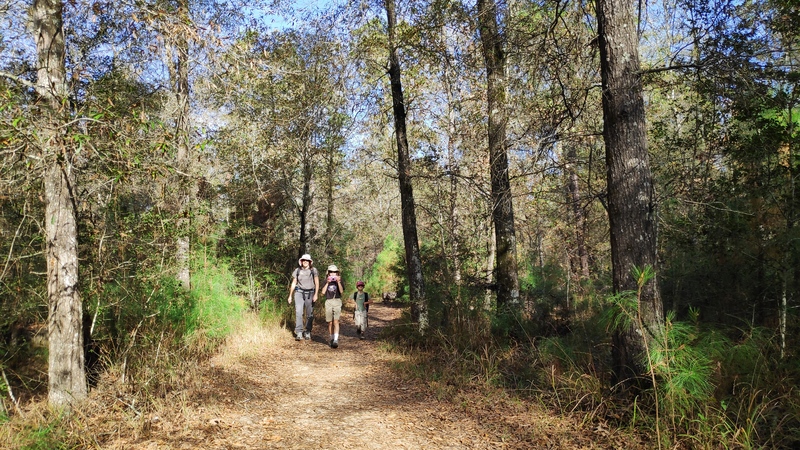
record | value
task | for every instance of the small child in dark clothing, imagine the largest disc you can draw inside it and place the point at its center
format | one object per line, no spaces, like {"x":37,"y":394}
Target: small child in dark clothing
{"x":362,"y":308}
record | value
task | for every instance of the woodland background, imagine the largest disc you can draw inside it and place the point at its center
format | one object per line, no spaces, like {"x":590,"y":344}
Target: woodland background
{"x":212,"y":142}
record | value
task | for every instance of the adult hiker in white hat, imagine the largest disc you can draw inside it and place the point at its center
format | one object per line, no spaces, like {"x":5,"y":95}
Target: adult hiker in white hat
{"x":304,"y":288}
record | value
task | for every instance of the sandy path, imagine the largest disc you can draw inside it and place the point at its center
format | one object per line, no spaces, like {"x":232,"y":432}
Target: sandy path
{"x":306,"y":395}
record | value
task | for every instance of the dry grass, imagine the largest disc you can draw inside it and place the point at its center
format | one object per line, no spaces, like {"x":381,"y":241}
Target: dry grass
{"x":250,"y":335}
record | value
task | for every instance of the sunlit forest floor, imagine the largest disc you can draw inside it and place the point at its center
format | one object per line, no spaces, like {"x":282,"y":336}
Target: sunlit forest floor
{"x":258,"y":394}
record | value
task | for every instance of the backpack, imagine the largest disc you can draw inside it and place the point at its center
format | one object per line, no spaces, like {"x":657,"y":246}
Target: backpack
{"x":366,"y":299}
{"x":314,"y":273}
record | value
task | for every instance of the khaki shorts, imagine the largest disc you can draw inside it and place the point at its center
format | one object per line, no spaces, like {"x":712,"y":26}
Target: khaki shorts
{"x":333,"y":309}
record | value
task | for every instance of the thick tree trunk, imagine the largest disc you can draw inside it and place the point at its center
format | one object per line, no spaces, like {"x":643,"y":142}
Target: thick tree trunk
{"x":502,"y":206}
{"x":631,"y":204}
{"x":409,"y":217}
{"x":182,"y":128}
{"x":66,"y":373}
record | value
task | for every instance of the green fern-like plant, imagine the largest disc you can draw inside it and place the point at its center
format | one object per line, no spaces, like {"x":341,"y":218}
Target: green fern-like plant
{"x":683,"y":362}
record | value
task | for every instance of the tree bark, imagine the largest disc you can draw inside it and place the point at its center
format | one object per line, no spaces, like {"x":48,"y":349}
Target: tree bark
{"x":305,"y":202}
{"x":66,"y":373}
{"x":502,"y":205}
{"x":409,"y":218}
{"x":631,"y":204}
{"x":574,"y":198}
{"x":182,"y":129}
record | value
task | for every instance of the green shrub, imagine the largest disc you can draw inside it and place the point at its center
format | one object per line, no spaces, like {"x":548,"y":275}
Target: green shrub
{"x":216,"y":307}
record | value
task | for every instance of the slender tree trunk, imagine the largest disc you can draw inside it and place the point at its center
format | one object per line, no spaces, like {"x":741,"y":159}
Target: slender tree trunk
{"x":66,"y":373}
{"x":413,"y":260}
{"x":631,"y":204}
{"x":490,"y":259}
{"x":182,"y":128}
{"x":452,"y":168}
{"x":502,"y":206}
{"x":790,"y":269}
{"x":331,"y":181}
{"x":305,"y":203}
{"x":577,"y":214}
{"x":455,"y":250}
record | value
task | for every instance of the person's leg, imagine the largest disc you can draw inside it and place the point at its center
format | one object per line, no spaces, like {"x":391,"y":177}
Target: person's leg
{"x":309,"y":307}
{"x":336,"y":313}
{"x":329,"y":318}
{"x":298,"y":313}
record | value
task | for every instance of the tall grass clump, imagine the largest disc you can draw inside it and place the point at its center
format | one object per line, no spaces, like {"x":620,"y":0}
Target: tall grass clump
{"x":216,"y":306}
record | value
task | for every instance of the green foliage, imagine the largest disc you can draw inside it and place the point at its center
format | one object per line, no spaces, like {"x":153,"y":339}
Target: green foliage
{"x":684,"y":364}
{"x":542,"y":282}
{"x":49,"y":436}
{"x":386,"y":275}
{"x":257,"y":263}
{"x":216,"y":307}
{"x":621,"y":312}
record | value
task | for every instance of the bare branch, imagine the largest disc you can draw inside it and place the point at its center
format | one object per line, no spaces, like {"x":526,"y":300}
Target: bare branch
{"x":669,"y":68}
{"x":18,"y":79}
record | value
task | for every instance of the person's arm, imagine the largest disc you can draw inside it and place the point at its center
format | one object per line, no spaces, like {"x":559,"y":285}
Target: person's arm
{"x":339,"y":282}
{"x":291,"y":288}
{"x":316,"y":288}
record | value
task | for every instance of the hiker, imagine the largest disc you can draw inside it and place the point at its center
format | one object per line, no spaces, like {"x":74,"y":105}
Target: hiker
{"x":362,"y":308}
{"x":333,"y":303}
{"x":305,"y":284}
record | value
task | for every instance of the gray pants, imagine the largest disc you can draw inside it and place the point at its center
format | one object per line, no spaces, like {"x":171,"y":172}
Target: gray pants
{"x":303,"y":299}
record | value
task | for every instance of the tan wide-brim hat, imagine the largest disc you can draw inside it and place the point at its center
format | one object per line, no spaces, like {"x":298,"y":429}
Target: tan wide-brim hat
{"x":333,"y":268}
{"x":307,"y":257}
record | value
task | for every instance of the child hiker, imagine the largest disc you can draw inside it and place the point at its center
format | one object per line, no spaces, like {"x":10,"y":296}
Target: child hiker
{"x":333,"y":303}
{"x":362,"y":307}
{"x":305,"y":284}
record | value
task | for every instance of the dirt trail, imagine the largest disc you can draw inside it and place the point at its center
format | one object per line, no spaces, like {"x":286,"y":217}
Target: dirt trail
{"x":306,"y":395}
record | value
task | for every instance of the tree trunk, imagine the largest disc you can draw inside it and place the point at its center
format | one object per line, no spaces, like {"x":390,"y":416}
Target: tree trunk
{"x":631,"y":204}
{"x":66,"y":373}
{"x":182,"y":125}
{"x":491,"y":253}
{"x":409,"y":218}
{"x":331,"y":185}
{"x":453,"y":170}
{"x":578,"y":216}
{"x":305,"y":202}
{"x":502,"y":206}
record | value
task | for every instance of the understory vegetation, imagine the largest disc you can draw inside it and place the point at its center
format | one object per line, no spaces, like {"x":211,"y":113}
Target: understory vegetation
{"x":708,"y":387}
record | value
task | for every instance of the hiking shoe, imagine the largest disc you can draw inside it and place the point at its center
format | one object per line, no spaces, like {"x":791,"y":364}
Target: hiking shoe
{"x":358,"y":330}
{"x":306,"y":335}
{"x":298,"y":336}
{"x":362,"y":337}
{"x":334,"y":344}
